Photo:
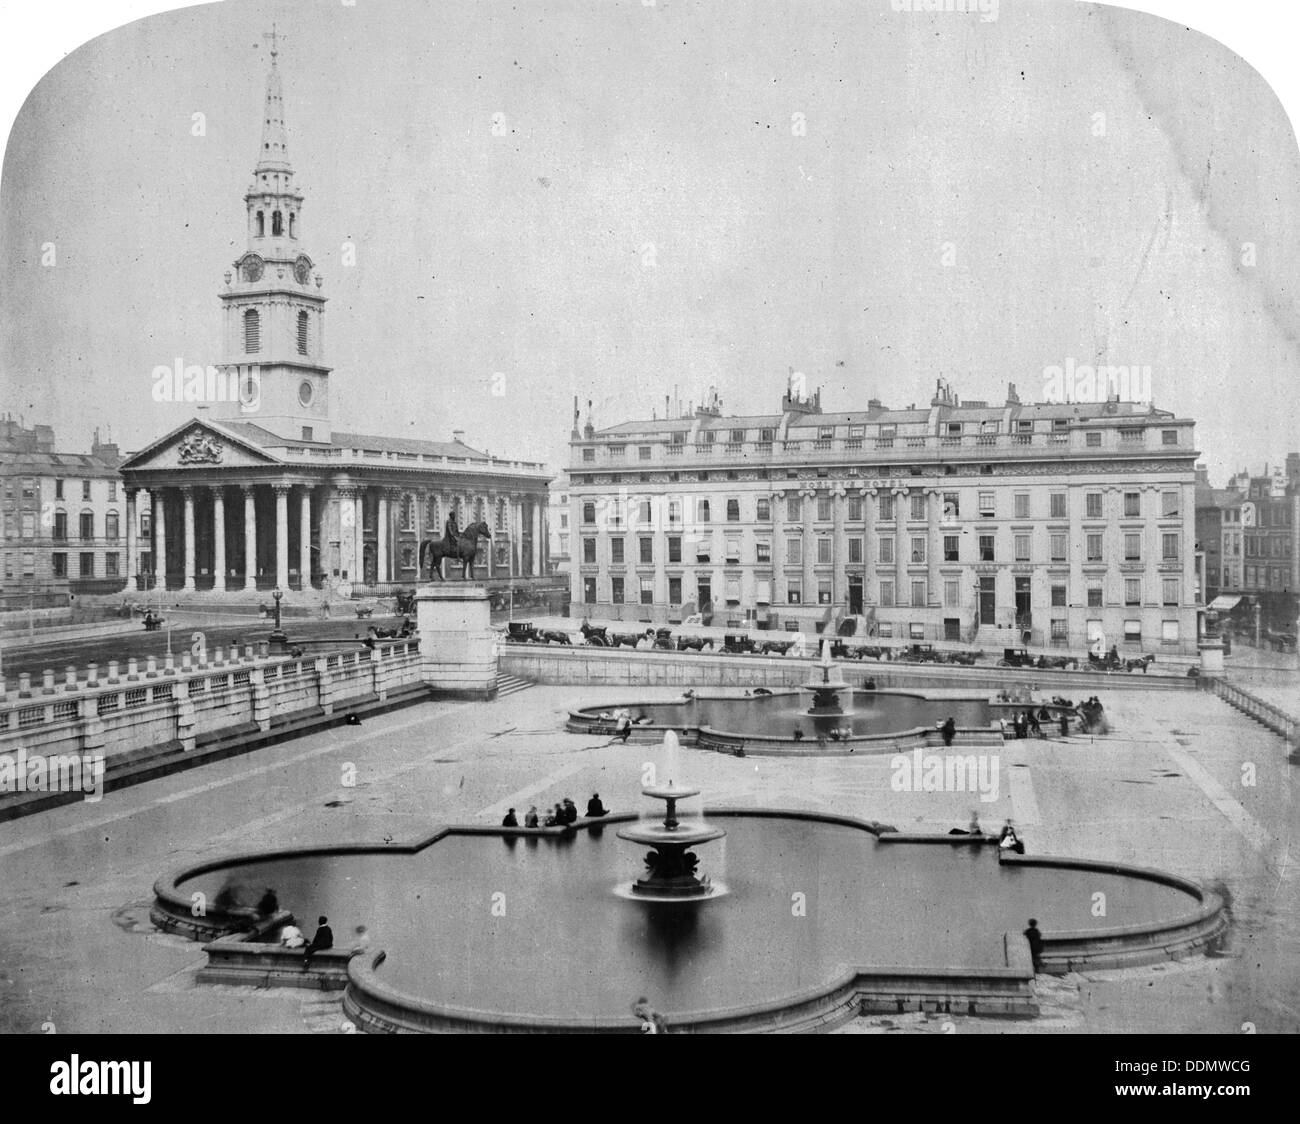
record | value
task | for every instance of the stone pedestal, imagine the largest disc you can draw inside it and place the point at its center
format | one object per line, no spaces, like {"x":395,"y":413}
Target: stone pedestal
{"x":1211,"y":656}
{"x":457,"y":644}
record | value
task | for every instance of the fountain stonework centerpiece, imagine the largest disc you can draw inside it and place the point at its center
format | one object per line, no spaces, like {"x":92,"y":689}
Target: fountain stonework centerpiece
{"x":670,"y":867}
{"x":826,"y":682}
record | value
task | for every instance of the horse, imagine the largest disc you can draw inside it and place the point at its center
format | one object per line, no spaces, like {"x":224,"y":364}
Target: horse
{"x":1142,"y":662}
{"x":462,"y":547}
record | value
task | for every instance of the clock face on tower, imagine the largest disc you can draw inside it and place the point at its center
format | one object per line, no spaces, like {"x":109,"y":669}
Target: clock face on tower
{"x":302,"y":269}
{"x":306,"y":392}
{"x":250,"y":267}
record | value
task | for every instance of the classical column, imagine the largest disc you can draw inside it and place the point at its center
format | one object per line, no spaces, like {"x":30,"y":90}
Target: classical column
{"x":130,"y":538}
{"x":513,"y":515}
{"x":537,"y":541}
{"x":304,"y":536}
{"x":933,"y":546}
{"x":902,"y":550}
{"x":809,"y":548}
{"x":250,"y":537}
{"x":777,"y":501}
{"x":188,"y":493}
{"x":839,"y":548}
{"x":870,"y":548}
{"x":219,"y":538}
{"x":359,"y":535}
{"x":381,"y":546}
{"x":282,"y":535}
{"x":158,"y":508}
{"x":492,"y":543}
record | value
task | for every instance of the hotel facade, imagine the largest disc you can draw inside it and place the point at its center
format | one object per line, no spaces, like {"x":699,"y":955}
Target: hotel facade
{"x":1014,"y":524}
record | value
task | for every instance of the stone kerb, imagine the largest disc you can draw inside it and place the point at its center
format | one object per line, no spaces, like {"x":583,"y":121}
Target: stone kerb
{"x":457,"y":641}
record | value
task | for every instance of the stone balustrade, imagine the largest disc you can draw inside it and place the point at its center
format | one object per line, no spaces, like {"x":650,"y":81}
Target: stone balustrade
{"x":157,"y":706}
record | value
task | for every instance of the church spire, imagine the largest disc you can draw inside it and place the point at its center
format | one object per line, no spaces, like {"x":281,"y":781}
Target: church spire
{"x":273,"y":156}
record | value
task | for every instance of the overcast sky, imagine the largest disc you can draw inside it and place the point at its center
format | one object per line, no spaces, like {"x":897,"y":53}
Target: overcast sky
{"x":656,"y":215}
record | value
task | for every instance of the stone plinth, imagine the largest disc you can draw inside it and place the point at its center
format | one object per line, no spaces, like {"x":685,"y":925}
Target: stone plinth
{"x":1211,"y":656}
{"x":457,"y":644}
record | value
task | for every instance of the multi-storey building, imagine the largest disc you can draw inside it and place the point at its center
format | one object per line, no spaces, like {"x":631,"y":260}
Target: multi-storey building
{"x":559,"y":534}
{"x":63,"y":519}
{"x":1019,"y":522}
{"x":1220,"y":536}
{"x":263,"y":489}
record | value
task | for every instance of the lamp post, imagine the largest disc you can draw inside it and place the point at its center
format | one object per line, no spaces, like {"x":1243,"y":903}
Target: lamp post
{"x":277,"y":633}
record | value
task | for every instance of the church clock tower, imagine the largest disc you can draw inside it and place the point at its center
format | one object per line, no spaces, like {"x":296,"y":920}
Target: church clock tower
{"x":272,"y":307}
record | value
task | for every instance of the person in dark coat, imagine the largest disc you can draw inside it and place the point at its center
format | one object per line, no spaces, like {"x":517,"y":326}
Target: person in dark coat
{"x":323,"y":939}
{"x":509,"y":820}
{"x":570,"y":811}
{"x":1035,"y":938}
{"x":948,"y":729}
{"x":269,"y":903}
{"x":530,"y":820}
{"x":595,"y":808}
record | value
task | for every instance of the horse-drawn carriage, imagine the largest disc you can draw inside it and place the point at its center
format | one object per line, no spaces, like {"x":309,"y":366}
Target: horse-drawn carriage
{"x":525,"y":632}
{"x":921,"y":653}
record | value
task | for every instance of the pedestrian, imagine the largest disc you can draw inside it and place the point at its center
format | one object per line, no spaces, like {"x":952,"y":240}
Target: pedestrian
{"x":530,"y":820}
{"x":595,"y":809}
{"x":622,"y":725}
{"x":268,"y":904}
{"x":1035,"y":938}
{"x":323,"y":939}
{"x":1034,"y":726}
{"x":509,"y":820}
{"x":949,"y":729}
{"x":1065,"y":724}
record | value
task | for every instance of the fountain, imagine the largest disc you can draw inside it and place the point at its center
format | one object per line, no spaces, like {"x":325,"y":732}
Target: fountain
{"x":826,"y":690}
{"x":671,"y":868}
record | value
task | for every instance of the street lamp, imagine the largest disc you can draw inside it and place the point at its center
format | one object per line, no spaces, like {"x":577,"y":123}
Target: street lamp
{"x":277,"y":633}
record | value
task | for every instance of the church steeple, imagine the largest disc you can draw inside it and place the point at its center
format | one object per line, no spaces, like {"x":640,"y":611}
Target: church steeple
{"x":274,"y":310}
{"x":273,"y":156}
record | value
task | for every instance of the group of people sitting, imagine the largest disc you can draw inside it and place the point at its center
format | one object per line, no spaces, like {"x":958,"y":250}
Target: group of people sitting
{"x":561,"y":815}
{"x":1008,"y":840}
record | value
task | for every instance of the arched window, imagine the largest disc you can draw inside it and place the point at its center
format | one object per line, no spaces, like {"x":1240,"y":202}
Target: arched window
{"x":111,"y":525}
{"x":276,"y":225}
{"x":252,"y":331}
{"x":292,"y":216}
{"x":302,"y":333}
{"x":261,"y":224}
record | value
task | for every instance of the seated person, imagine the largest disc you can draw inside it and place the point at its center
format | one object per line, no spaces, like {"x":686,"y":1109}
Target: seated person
{"x":530,"y":820}
{"x":555,"y":817}
{"x":291,"y":937}
{"x":509,"y":819}
{"x":570,"y":811}
{"x":595,"y":808}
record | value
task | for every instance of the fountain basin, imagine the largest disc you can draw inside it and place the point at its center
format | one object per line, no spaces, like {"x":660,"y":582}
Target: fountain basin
{"x":921,"y":922}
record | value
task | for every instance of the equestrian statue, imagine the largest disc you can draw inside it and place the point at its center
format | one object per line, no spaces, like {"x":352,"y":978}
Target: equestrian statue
{"x":456,"y":545}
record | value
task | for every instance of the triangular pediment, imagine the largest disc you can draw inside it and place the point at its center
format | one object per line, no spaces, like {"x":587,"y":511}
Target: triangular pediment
{"x":199,"y":445}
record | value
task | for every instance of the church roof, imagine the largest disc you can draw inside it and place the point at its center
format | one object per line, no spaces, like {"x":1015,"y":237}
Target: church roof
{"x":408,"y":445}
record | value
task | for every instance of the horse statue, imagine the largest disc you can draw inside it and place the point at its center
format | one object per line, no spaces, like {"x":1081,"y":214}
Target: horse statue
{"x":456,"y":545}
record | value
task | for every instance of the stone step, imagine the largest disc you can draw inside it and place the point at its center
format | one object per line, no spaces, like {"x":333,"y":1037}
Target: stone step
{"x":511,"y":685}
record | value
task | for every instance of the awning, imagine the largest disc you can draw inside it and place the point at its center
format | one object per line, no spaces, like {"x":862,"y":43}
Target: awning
{"x":1224,"y":603}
